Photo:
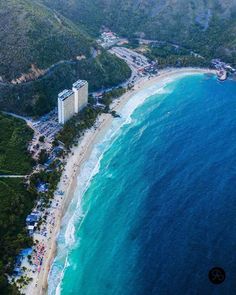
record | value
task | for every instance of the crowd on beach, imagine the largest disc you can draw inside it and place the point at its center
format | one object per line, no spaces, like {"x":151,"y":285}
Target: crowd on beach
{"x":38,"y":254}
{"x":33,"y":264}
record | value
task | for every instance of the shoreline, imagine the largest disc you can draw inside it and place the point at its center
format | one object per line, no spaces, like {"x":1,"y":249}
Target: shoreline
{"x":74,"y":162}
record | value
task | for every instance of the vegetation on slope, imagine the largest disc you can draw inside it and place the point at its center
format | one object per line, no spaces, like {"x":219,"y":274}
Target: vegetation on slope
{"x":171,"y":56}
{"x":16,"y":202}
{"x":206,"y":26}
{"x":59,"y":51}
{"x":14,"y":138}
{"x":33,"y":34}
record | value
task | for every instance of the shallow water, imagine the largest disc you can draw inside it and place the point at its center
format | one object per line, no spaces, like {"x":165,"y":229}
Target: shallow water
{"x":159,"y":206}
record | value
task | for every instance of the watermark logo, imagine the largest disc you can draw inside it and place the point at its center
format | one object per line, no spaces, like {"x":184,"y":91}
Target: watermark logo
{"x":216,"y":275}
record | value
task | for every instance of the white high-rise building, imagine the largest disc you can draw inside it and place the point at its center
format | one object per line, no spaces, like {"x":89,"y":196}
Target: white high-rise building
{"x":80,"y":89}
{"x":70,"y":102}
{"x":66,"y":105}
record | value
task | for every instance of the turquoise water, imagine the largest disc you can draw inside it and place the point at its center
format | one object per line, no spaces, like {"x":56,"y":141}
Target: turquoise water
{"x":159,"y":198}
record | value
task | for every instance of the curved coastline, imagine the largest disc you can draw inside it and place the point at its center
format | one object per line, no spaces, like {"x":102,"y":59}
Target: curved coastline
{"x":80,"y":154}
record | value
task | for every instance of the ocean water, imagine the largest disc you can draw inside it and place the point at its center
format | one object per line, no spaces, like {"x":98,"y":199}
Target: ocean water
{"x":155,"y":206}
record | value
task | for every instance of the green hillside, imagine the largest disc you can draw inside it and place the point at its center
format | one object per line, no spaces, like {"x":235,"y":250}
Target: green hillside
{"x":14,"y":138}
{"x":43,"y":53}
{"x":33,"y":34}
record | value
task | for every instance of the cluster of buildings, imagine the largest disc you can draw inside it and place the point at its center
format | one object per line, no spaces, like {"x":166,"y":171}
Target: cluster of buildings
{"x":222,"y":69}
{"x":32,"y":222}
{"x":71,"y":102}
{"x":108,"y":39}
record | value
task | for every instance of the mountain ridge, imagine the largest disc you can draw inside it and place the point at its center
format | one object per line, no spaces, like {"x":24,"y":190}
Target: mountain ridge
{"x":207,"y":26}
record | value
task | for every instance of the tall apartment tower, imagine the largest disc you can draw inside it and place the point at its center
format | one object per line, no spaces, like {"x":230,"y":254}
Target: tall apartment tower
{"x":66,"y":105}
{"x":80,"y":89}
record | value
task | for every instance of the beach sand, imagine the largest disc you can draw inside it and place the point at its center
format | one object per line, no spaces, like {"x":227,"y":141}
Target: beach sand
{"x":74,"y":161}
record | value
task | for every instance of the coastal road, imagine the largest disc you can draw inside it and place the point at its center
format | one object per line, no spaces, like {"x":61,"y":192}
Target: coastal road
{"x":13,"y":176}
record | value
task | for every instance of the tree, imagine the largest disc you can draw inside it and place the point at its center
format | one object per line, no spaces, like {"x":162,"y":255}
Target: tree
{"x":42,"y":138}
{"x":43,"y":157}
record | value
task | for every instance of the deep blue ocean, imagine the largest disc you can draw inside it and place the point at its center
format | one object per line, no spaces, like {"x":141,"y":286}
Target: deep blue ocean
{"x":159,"y":210}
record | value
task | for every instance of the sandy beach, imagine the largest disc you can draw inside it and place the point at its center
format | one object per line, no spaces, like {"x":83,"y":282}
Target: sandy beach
{"x":67,"y":184}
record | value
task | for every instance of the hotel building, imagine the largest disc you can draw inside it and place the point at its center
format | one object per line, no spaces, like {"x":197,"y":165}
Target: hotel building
{"x":80,"y":89}
{"x":70,"y":102}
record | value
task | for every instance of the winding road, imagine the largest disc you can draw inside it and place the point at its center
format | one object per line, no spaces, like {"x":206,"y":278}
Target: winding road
{"x":13,"y":176}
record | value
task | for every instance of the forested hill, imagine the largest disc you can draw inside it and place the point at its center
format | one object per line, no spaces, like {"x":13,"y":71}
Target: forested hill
{"x":208,"y":26}
{"x":31,"y":34}
{"x":33,"y":39}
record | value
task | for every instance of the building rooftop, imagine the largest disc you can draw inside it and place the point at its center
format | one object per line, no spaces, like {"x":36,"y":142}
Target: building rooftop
{"x":33,"y":217}
{"x":65,"y":94}
{"x":80,"y":83}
